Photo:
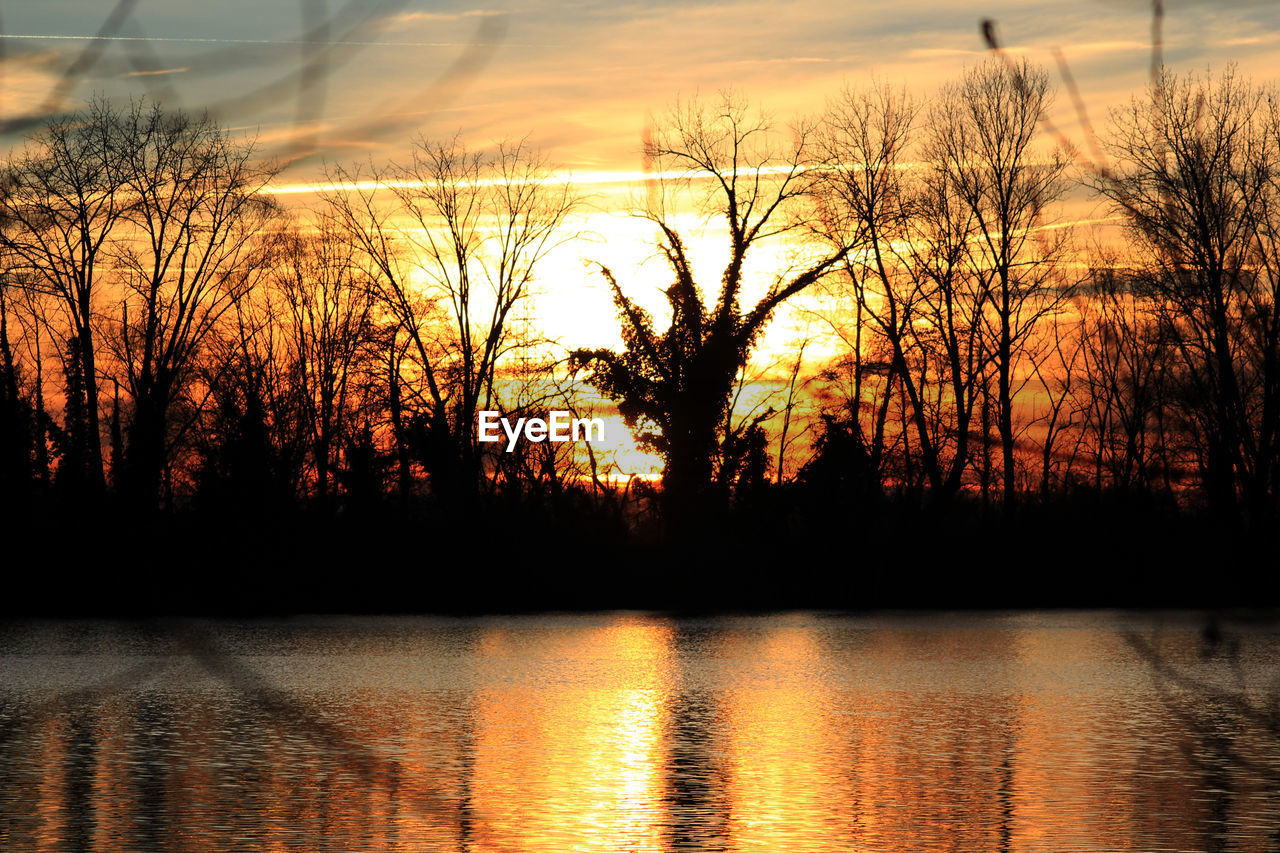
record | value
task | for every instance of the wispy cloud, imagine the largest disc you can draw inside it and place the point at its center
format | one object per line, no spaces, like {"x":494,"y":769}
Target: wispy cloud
{"x":931,"y":52}
{"x":414,"y":17}
{"x":583,"y":75}
{"x":158,"y":72}
{"x":785,"y":60}
{"x":1109,"y":46}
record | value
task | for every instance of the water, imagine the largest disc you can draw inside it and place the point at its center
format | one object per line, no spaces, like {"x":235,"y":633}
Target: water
{"x":630,"y":732}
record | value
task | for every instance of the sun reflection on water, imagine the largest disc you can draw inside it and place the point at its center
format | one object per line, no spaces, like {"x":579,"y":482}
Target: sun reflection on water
{"x":622,"y":732}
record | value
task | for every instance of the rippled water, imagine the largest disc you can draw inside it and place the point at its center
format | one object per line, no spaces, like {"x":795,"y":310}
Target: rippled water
{"x":801,"y":732}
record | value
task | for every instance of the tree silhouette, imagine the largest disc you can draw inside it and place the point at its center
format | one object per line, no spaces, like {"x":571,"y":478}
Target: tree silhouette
{"x":919,"y":300}
{"x":17,"y":416}
{"x":452,"y":241}
{"x":194,"y":246}
{"x":675,"y":386}
{"x":328,"y":303}
{"x":1193,"y":173}
{"x":984,"y":130}
{"x":62,"y":197}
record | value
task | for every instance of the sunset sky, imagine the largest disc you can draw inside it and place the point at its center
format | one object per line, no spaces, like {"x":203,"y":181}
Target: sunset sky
{"x":321,"y":82}
{"x":579,"y":77}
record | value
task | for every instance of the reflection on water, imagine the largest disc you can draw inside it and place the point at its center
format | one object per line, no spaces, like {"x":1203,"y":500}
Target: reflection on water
{"x":1017,"y":732}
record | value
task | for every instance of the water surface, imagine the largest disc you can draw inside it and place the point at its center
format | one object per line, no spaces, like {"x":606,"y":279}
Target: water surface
{"x":631,"y":732}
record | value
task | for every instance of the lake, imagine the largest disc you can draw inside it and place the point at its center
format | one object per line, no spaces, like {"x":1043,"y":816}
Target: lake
{"x":1039,"y":731}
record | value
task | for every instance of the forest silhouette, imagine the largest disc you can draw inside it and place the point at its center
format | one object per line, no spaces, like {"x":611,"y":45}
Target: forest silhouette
{"x":213,"y":402}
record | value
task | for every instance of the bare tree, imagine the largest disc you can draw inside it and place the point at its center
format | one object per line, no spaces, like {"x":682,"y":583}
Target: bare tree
{"x":793,"y":428}
{"x":1121,"y":376}
{"x":193,"y":248}
{"x":482,"y":226}
{"x":1194,"y":165}
{"x":1056,"y":367}
{"x":360,"y":206}
{"x":61,"y":200}
{"x":862,"y":198}
{"x":983,"y":136}
{"x":329,"y":306}
{"x":921,"y":299}
{"x":256,"y":430}
{"x":453,"y":240}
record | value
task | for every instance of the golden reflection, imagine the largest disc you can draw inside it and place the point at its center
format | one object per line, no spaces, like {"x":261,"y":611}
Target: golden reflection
{"x":788,"y":762}
{"x":937,"y":742}
{"x":631,"y":733}
{"x":572,"y":757}
{"x":110,"y":781}
{"x":52,"y":789}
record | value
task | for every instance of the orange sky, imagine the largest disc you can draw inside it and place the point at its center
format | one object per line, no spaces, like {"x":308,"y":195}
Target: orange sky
{"x":578,"y":76}
{"x":319,"y":81}
{"x":581,"y":78}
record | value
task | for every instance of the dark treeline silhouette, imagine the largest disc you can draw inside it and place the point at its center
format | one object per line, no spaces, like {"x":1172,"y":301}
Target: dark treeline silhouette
{"x":242,"y":406}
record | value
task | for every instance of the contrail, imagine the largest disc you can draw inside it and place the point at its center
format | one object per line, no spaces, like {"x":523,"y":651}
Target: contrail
{"x":241,"y":41}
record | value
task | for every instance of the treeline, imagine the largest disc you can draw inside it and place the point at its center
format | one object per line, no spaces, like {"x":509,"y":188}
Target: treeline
{"x":211,"y":345}
{"x":1144,"y":367}
{"x":175,"y":343}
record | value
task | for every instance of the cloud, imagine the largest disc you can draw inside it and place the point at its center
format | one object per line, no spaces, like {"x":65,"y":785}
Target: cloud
{"x":158,"y":72}
{"x":583,"y":74}
{"x":787,"y":60}
{"x":931,"y":52}
{"x":1107,"y":46}
{"x":414,"y":17}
